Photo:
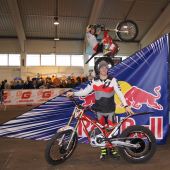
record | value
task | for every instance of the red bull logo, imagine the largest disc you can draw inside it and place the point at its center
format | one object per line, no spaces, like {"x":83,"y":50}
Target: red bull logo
{"x":89,"y":100}
{"x":137,"y":97}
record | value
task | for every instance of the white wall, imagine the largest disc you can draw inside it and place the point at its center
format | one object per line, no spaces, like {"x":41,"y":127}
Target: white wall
{"x":160,"y":27}
{"x":49,"y":46}
{"x":9,"y":46}
{"x":59,"y":47}
{"x":10,"y":73}
{"x":32,"y":71}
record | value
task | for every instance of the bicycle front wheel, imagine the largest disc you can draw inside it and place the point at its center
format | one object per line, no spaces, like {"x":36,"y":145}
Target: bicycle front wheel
{"x":127,"y":30}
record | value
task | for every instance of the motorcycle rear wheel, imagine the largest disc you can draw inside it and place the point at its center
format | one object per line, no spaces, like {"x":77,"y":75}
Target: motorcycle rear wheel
{"x":142,"y":136}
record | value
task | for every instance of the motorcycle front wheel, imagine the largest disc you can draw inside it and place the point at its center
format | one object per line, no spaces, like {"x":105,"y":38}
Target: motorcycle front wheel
{"x":56,"y":151}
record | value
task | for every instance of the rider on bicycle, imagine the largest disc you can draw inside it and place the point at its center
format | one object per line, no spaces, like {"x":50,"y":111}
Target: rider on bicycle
{"x":91,"y":34}
{"x":104,"y":88}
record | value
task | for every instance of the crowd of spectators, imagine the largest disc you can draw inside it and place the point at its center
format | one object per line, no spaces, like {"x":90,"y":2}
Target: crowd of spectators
{"x":44,"y":82}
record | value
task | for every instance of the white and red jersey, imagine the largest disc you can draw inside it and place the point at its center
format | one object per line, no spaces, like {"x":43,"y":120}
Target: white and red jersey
{"x":107,"y":41}
{"x":92,"y":41}
{"x":104,"y":94}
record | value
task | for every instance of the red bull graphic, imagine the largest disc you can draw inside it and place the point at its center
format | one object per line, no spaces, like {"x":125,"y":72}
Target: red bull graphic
{"x":155,"y":125}
{"x":143,"y":78}
{"x":88,"y":100}
{"x":136,"y":97}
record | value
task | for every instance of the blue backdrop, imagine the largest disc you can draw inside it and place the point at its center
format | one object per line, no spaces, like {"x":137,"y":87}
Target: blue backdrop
{"x":144,"y":78}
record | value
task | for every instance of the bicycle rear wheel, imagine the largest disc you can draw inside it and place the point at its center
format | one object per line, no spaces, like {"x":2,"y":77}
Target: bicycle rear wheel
{"x":127,"y":30}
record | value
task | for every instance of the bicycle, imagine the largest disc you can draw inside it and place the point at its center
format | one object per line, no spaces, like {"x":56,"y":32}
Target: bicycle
{"x":135,"y":144}
{"x":126,"y":31}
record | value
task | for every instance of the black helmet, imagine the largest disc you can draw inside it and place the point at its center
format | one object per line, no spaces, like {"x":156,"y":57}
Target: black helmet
{"x":93,"y":26}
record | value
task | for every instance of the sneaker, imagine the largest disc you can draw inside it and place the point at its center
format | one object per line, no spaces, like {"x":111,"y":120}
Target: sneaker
{"x":114,"y":153}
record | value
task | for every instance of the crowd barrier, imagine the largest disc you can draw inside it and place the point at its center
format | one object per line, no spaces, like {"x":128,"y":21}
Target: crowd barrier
{"x":30,"y":96}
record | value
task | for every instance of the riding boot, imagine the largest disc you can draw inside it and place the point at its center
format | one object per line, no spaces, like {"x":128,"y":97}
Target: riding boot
{"x":114,"y":153}
{"x":103,"y":153}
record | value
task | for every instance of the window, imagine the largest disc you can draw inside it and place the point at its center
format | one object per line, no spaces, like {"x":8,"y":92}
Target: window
{"x":48,"y":60}
{"x":14,"y":60}
{"x":91,"y":62}
{"x":63,"y":60}
{"x":77,"y":60}
{"x":3,"y":59}
{"x":123,"y":57}
{"x":33,"y":60}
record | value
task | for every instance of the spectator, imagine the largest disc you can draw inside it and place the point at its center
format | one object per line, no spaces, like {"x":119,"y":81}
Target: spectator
{"x":17,"y":85}
{"x":28,"y":84}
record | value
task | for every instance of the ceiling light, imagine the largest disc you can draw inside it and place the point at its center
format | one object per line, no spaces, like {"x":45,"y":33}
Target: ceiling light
{"x":56,"y":39}
{"x":56,"y":21}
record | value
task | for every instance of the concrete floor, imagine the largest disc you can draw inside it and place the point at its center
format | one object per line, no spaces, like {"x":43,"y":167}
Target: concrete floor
{"x":20,"y":154}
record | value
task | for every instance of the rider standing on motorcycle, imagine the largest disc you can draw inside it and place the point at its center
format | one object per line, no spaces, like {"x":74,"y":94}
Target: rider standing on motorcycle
{"x":104,"y":88}
{"x":91,"y":35}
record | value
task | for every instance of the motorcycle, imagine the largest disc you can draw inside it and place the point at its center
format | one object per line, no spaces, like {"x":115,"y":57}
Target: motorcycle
{"x":126,"y":31}
{"x":136,"y":144}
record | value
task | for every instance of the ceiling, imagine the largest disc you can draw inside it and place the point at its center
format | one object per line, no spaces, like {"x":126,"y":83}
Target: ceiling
{"x":34,"y":18}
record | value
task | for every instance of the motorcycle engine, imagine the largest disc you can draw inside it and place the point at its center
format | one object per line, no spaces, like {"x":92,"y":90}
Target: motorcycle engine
{"x":96,"y":138}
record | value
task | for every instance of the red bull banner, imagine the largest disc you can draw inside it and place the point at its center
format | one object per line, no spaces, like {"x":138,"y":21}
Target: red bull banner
{"x":143,"y":78}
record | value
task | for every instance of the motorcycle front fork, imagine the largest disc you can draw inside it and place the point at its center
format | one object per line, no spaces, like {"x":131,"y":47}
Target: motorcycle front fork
{"x":75,"y":129}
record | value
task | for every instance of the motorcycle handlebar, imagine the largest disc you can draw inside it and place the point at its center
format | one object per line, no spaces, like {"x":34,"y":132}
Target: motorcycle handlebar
{"x":81,"y":107}
{"x":76,"y":103}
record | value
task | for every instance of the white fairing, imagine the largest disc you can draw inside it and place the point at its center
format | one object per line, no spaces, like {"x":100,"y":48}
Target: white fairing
{"x":94,"y":143}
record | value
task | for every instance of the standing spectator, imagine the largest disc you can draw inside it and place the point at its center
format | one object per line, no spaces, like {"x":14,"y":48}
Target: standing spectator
{"x":28,"y":84}
{"x":6,"y":85}
{"x":1,"y":92}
